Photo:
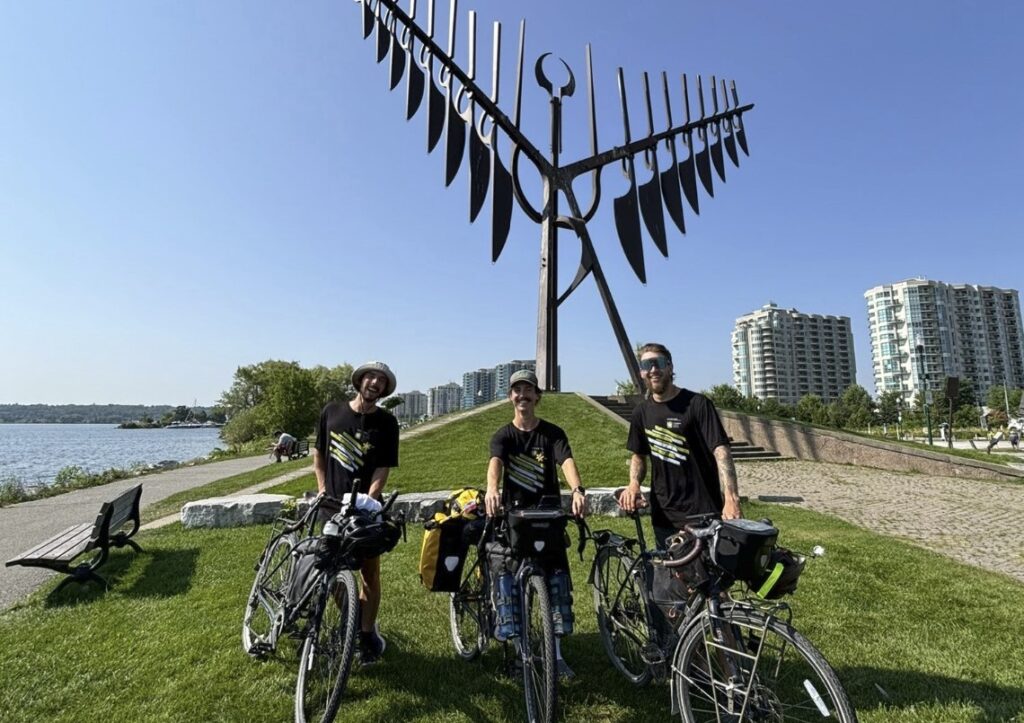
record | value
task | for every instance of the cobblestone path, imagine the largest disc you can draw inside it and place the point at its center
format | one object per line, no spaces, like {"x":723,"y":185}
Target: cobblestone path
{"x":974,"y":521}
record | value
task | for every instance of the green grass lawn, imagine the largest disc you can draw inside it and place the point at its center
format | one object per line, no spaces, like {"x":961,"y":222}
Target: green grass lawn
{"x":939,"y":638}
{"x":913,"y":635}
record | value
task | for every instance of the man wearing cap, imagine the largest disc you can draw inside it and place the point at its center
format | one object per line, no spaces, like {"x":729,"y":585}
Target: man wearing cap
{"x":356,"y":446}
{"x":525,"y":455}
{"x":692,"y":471}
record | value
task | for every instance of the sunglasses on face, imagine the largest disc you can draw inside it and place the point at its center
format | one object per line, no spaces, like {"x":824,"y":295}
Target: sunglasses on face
{"x":654,"y":362}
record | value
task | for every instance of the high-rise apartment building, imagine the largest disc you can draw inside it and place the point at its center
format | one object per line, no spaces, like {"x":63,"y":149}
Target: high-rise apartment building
{"x":924,"y":331}
{"x":413,"y":406}
{"x":504,"y":372}
{"x":444,"y":399}
{"x":477,"y":388}
{"x":784,"y":354}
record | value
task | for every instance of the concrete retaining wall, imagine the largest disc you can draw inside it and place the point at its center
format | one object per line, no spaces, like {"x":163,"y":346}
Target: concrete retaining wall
{"x":793,"y":439}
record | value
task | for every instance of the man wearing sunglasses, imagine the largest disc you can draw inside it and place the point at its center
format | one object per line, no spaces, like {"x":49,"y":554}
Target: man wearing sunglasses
{"x":692,"y":471}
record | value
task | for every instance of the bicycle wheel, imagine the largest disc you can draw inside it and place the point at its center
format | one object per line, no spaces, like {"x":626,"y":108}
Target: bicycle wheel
{"x":267,"y":597}
{"x":622,"y":614}
{"x":468,"y":610}
{"x":537,"y":651}
{"x":327,"y":654}
{"x":762,"y":670}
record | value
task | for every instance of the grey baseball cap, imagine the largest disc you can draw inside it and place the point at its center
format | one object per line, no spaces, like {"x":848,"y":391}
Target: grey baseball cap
{"x":523,"y":375}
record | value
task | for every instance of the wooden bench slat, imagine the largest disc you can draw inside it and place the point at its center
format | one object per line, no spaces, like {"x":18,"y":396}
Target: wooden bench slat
{"x":58,"y":546}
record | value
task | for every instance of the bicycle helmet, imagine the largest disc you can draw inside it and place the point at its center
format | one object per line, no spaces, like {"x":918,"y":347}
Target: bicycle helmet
{"x":781,"y":577}
{"x":375,"y":366}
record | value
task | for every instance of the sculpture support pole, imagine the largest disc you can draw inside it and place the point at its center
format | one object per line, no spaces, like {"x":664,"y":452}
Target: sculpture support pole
{"x":547,"y":312}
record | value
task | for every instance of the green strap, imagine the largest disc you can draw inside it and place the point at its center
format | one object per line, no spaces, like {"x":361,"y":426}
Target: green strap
{"x":770,"y":582}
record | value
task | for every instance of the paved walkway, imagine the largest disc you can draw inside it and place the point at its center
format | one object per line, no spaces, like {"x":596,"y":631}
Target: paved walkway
{"x":30,"y":523}
{"x":973,"y":521}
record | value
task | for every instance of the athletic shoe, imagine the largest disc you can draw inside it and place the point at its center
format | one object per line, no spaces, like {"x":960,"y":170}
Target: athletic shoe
{"x":371,"y":647}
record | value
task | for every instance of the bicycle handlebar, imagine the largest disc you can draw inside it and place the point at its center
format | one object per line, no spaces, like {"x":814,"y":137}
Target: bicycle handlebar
{"x":698,"y":534}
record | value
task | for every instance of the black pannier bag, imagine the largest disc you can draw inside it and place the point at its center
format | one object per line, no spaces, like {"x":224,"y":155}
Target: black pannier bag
{"x":743,"y":548}
{"x":537,"y":532}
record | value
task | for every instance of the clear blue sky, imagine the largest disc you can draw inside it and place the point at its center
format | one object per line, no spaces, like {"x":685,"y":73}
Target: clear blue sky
{"x":186,"y":187}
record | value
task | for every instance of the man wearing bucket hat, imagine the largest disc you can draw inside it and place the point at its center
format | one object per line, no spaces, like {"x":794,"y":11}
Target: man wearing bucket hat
{"x":692,"y":471}
{"x":356,"y":446}
{"x":524,"y":456}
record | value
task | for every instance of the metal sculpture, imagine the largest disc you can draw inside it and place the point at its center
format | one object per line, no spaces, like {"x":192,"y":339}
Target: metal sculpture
{"x":457,"y":106}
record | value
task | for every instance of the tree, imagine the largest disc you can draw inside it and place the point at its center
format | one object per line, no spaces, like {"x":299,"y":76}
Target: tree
{"x":391,"y":402}
{"x":726,"y":396}
{"x":268,"y":396}
{"x":332,"y":384}
{"x":625,"y":388}
{"x":854,"y":410}
{"x":889,"y":407}
{"x":812,"y":409}
{"x":996,"y":400}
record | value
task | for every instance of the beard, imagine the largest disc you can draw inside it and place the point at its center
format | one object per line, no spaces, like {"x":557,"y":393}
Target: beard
{"x":660,"y":385}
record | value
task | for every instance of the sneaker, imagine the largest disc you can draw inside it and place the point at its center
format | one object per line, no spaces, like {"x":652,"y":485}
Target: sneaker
{"x":564,"y":671}
{"x":371,"y":647}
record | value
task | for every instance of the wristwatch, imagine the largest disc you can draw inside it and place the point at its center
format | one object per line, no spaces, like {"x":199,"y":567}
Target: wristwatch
{"x":581,"y":489}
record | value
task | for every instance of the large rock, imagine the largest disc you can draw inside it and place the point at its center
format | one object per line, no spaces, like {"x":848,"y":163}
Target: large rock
{"x":417,"y":506}
{"x":233,"y":511}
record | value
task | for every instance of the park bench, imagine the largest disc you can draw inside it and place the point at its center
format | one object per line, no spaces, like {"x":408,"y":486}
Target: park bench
{"x":301,"y":449}
{"x":110,"y":529}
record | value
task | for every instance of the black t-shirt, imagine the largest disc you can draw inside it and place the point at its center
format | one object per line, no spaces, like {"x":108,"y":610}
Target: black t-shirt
{"x":530,"y":460}
{"x":680,"y":437}
{"x":354,"y":445}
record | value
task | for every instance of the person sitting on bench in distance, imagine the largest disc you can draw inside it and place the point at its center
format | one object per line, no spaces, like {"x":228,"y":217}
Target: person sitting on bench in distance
{"x":285,"y":444}
{"x":524,"y":455}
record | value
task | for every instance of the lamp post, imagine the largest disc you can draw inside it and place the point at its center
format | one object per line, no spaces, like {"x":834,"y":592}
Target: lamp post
{"x":924,"y":379}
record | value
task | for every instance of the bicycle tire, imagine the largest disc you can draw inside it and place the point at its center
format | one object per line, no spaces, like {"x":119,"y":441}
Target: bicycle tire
{"x":327,"y":653}
{"x":783,"y":674}
{"x":267,"y":597}
{"x":537,"y":652}
{"x":467,"y":612}
{"x":622,"y":618}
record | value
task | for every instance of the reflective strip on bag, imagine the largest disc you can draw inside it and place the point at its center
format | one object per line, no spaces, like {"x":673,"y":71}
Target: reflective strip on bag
{"x":770,"y":582}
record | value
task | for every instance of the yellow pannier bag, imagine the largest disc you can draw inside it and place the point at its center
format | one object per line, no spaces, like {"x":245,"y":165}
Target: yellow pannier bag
{"x":446,"y":542}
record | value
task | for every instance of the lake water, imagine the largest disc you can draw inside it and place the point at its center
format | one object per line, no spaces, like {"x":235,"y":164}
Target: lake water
{"x":35,"y":453}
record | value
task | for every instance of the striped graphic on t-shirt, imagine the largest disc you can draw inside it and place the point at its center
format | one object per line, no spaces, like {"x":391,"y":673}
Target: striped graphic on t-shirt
{"x":526,"y":472}
{"x":666,"y":445}
{"x":348,"y":451}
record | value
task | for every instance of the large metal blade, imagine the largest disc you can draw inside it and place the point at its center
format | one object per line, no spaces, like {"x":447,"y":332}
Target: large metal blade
{"x":688,"y":175}
{"x":737,"y":122}
{"x":367,"y":19}
{"x":501,"y":200}
{"x":479,"y":173}
{"x":716,"y":150}
{"x":627,"y":223}
{"x":627,"y":214}
{"x":435,"y":114}
{"x":670,"y":192}
{"x":650,"y":206}
{"x":455,"y":143}
{"x":741,"y":135}
{"x":413,"y":88}
{"x":730,"y":145}
{"x":383,"y":40}
{"x":650,"y":192}
{"x":703,"y":160}
{"x":397,"y":63}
